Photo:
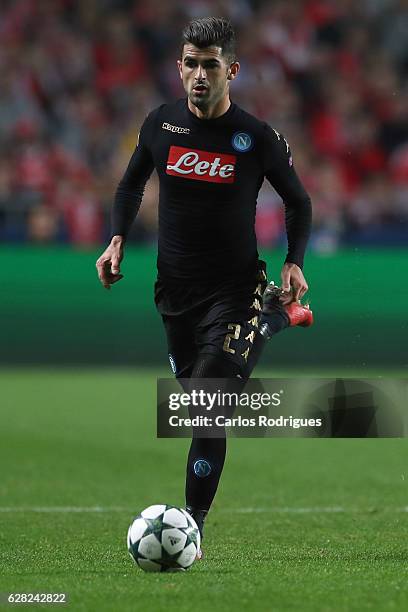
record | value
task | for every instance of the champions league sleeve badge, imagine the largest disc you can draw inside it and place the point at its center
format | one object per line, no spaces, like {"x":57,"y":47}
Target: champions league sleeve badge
{"x":172,"y":364}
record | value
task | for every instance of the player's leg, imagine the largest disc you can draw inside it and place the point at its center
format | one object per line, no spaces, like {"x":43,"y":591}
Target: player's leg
{"x":175,"y":305}
{"x":228,"y":351}
{"x":231,"y":350}
{"x":206,"y":456}
{"x":182,"y":350}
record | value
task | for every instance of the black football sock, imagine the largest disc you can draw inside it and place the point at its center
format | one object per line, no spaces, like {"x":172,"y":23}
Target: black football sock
{"x":204,"y":467}
{"x":199,"y":517}
{"x":273,"y":321}
{"x":207,"y":454}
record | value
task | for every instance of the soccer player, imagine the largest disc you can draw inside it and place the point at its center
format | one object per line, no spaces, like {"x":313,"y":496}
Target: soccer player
{"x":211,"y":158}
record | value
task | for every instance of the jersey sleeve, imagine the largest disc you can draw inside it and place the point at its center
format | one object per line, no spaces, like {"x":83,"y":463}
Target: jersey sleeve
{"x":279,"y":170}
{"x":130,"y":190}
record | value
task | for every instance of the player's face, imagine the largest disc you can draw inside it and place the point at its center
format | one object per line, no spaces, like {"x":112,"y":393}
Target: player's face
{"x":205,"y":74}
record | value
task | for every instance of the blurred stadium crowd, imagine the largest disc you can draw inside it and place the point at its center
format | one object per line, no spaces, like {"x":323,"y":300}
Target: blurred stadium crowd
{"x":77,"y":79}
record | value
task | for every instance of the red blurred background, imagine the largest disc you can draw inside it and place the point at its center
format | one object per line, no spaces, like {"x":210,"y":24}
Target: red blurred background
{"x":78,"y":78}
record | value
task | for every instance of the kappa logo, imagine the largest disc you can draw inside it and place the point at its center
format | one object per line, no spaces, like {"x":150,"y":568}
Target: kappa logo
{"x":201,"y":165}
{"x":175,"y":128}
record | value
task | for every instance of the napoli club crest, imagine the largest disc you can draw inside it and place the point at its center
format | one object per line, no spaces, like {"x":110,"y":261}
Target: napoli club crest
{"x":202,"y":468}
{"x":242,"y":142}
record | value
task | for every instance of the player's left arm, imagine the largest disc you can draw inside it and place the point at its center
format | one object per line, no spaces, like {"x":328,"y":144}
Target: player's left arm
{"x":281,"y":174}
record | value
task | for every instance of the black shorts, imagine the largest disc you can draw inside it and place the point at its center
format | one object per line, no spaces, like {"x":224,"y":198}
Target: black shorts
{"x":219,"y":319}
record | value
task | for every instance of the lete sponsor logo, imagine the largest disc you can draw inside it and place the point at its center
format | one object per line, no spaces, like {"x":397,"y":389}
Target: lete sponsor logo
{"x":201,"y":165}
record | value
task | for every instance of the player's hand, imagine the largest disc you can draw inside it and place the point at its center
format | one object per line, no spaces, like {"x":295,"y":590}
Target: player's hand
{"x":293,"y":283}
{"x":108,"y":264}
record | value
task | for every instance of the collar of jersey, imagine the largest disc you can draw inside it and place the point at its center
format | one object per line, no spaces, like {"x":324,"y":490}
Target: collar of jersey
{"x":207,"y":122}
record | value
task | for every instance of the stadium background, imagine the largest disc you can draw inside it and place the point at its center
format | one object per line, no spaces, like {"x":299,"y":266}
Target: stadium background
{"x":76,"y":81}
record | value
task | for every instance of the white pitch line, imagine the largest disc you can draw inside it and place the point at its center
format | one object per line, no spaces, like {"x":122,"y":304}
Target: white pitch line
{"x":286,"y":510}
{"x":260,"y":510}
{"x":315,"y":510}
{"x":63,"y":509}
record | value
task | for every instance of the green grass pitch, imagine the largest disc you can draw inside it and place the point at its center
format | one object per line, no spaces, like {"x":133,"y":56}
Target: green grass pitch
{"x":296,"y":525}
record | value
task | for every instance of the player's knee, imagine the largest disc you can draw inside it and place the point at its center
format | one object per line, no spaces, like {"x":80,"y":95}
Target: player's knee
{"x":208,"y":365}
{"x":217,"y":382}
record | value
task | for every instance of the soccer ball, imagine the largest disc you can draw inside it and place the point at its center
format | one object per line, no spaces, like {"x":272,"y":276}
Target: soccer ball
{"x":163,"y":538}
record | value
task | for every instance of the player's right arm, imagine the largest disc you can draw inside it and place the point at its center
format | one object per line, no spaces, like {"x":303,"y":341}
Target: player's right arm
{"x":128,"y":199}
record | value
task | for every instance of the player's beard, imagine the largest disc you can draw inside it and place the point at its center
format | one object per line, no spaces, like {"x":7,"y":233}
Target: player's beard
{"x":201,"y":102}
{"x":210,"y":98}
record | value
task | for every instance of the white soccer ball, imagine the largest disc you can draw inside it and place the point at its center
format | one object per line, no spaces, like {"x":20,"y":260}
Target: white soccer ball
{"x":163,"y":538}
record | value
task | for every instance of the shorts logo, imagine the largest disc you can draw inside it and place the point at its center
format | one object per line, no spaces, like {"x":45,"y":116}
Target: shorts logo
{"x":172,"y":363}
{"x":201,"y":165}
{"x":202,"y":468}
{"x":242,"y":142}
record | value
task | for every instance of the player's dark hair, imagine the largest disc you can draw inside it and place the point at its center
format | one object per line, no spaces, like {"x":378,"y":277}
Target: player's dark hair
{"x":211,"y":31}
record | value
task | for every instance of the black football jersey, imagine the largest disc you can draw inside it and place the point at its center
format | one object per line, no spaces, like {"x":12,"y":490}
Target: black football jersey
{"x":210,"y":172}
